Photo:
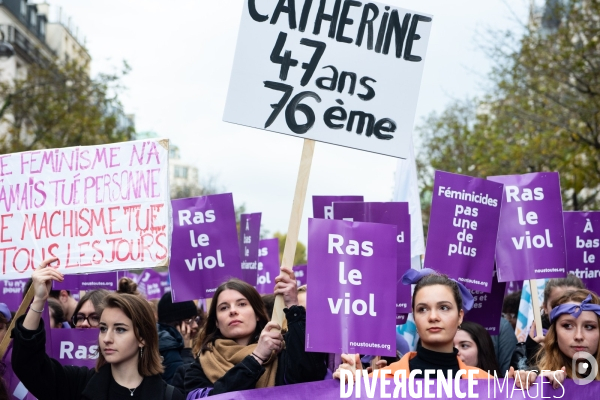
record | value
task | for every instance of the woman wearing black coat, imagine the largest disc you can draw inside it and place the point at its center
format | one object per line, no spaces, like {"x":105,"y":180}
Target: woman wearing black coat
{"x":128,"y":365}
{"x":239,"y":349}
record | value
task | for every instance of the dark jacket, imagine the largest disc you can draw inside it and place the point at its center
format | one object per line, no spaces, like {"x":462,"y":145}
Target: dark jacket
{"x":170,"y":346}
{"x":504,"y":345}
{"x":46,"y":378}
{"x":294,"y":364}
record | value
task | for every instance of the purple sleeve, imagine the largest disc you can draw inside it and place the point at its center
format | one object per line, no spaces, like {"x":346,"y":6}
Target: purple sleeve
{"x":199,"y":393}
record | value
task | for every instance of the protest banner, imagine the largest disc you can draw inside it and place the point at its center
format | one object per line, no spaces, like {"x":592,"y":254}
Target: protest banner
{"x":149,"y":284}
{"x":12,"y":292}
{"x":321,"y":62}
{"x":393,"y":213}
{"x":531,"y":235}
{"x":513,"y":286}
{"x":102,"y":280}
{"x":582,"y":238}
{"x":96,"y":208}
{"x":264,"y":60}
{"x":205,"y":246}
{"x":487,"y":307}
{"x":355,"y":289}
{"x":463,"y":225}
{"x":323,"y":205}
{"x":249,"y":238}
{"x":531,"y":241}
{"x":301,"y":274}
{"x":268,"y":265}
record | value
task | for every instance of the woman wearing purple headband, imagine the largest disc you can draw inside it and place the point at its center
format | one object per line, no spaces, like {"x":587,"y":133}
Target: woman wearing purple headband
{"x":438,"y":305}
{"x":575,"y":321}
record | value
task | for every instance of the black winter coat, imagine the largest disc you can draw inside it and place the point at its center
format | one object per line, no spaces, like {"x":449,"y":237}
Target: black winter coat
{"x":46,"y":378}
{"x":294,"y":364}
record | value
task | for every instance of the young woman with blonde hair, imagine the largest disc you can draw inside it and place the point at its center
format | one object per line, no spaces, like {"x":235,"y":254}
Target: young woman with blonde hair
{"x":128,"y":364}
{"x":574,"y":328}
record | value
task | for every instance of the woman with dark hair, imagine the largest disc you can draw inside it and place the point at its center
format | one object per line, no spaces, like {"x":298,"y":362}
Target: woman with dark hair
{"x":475,"y":347}
{"x":438,"y":305}
{"x":87,"y":312}
{"x":240,"y":349}
{"x":128,"y":364}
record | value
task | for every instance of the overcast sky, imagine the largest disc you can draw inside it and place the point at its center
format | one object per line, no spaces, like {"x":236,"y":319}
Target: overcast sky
{"x":181,"y":53}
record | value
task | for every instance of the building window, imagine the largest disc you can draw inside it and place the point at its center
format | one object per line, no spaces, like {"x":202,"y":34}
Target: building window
{"x":42,"y":28}
{"x":23,"y":8}
{"x":181,"y":172}
{"x":33,"y":18}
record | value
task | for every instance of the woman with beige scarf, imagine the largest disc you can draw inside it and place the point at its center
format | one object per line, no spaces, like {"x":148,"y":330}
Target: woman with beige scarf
{"x":240,"y":349}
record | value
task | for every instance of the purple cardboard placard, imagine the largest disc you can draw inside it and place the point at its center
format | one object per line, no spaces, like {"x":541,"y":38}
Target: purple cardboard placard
{"x":78,"y":347}
{"x":268,"y":265}
{"x":12,"y":292}
{"x":352,"y":297}
{"x":301,"y":274}
{"x":463,"y":226}
{"x":205,"y":251}
{"x":531,"y":235}
{"x":102,"y":280}
{"x":487,"y":307}
{"x":323,"y":205}
{"x":393,"y":213}
{"x":249,"y":240}
{"x":582,"y":238}
{"x":149,"y":284}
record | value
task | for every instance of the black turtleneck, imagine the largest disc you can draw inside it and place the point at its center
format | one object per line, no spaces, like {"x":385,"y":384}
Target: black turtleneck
{"x":433,"y":360}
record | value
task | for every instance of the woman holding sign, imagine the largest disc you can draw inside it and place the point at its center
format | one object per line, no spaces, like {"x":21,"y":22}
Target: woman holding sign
{"x":240,"y":349}
{"x":438,"y":305}
{"x":128,"y":363}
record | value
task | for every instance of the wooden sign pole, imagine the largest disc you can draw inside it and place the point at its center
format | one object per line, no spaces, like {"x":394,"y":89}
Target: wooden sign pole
{"x":291,"y":240}
{"x":535,"y":301}
{"x":22,"y":308}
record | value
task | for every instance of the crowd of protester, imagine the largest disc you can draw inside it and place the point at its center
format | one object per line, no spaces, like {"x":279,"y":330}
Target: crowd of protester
{"x":174,"y":350}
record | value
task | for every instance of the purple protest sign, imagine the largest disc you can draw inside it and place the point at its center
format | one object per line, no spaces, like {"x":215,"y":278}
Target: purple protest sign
{"x":268,"y":265}
{"x":165,"y":283}
{"x":12,"y":292}
{"x":513,"y":286}
{"x":103,"y":280}
{"x":301,"y":274}
{"x":249,"y":238}
{"x":352,"y":298}
{"x":323,"y":205}
{"x":463,"y":225}
{"x":582,"y":238}
{"x":487,"y":307}
{"x":149,"y":284}
{"x":78,"y":347}
{"x":531,"y":236}
{"x":393,"y":213}
{"x":205,"y":250}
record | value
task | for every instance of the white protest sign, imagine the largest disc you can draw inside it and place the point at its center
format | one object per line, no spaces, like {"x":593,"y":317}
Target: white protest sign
{"x":96,"y":208}
{"x":346,"y":73}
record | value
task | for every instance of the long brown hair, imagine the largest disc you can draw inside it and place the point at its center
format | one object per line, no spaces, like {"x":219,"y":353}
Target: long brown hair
{"x":549,"y":356}
{"x":140,"y":313}
{"x":210,"y":332}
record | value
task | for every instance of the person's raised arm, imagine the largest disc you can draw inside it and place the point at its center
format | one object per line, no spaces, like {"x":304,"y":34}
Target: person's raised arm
{"x":285,"y":285}
{"x":41,"y":281}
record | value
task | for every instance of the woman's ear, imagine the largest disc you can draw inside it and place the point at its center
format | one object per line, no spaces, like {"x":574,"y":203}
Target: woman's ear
{"x":461,"y":315}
